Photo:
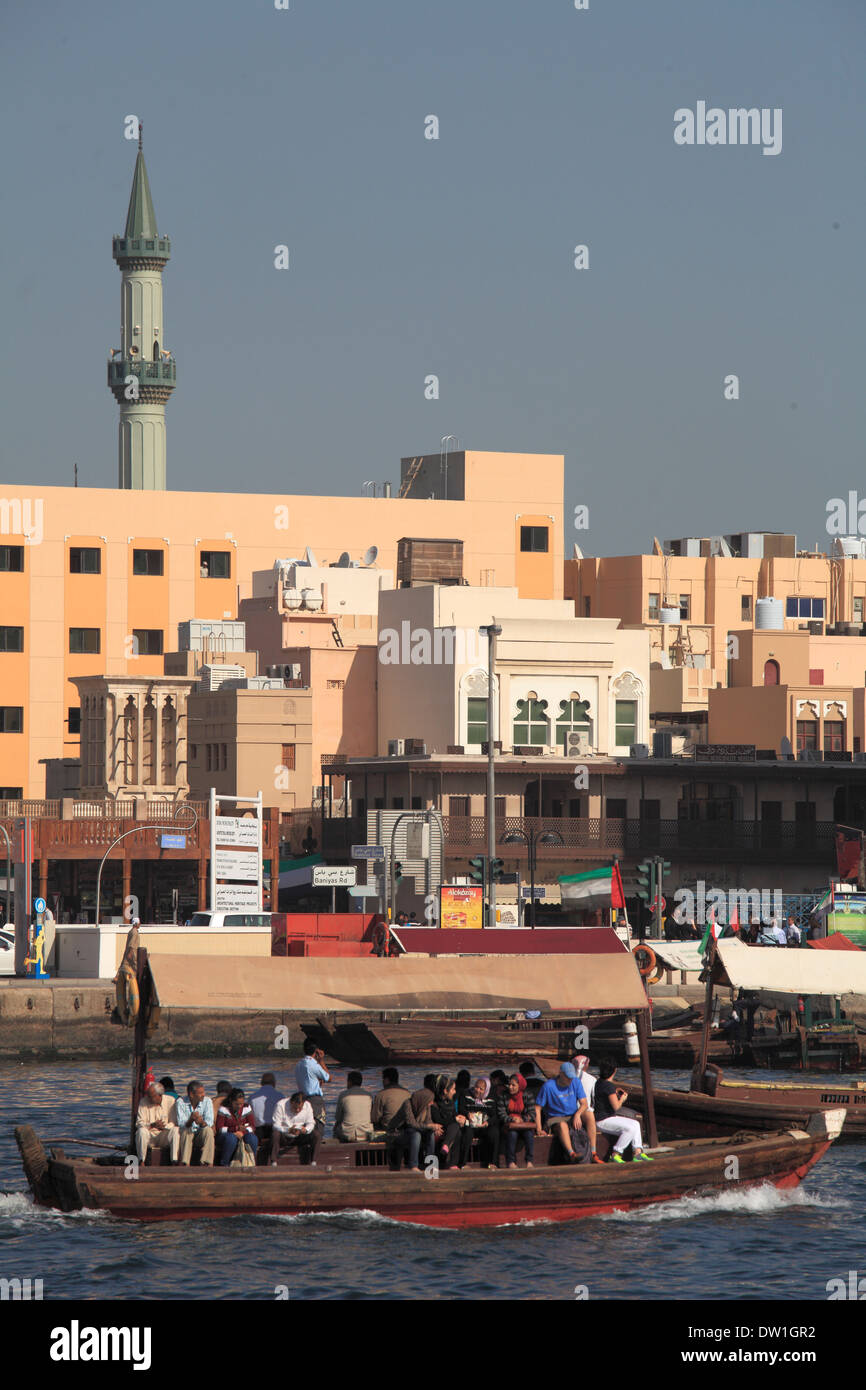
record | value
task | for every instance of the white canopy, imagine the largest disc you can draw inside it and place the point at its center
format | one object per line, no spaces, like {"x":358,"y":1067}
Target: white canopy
{"x":679,"y":955}
{"x":792,"y":972}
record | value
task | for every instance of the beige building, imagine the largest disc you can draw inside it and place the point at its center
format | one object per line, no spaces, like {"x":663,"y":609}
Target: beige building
{"x":134,"y":736}
{"x":242,"y":741}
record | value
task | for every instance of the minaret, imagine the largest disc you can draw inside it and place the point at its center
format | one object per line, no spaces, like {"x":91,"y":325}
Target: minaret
{"x":142,"y":373}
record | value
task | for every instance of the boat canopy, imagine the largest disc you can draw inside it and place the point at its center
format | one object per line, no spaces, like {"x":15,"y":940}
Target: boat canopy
{"x":789,"y":972}
{"x":316,"y":984}
{"x":679,"y":955}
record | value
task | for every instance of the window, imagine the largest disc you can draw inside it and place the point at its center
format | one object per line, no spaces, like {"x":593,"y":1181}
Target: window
{"x":85,"y":559}
{"x":625,"y":723}
{"x":148,"y":641}
{"x":587,"y":607}
{"x":209,"y":751}
{"x":458,"y":805}
{"x":224,"y":756}
{"x":746,"y":608}
{"x":193,"y":752}
{"x":476,"y":720}
{"x":771,"y":673}
{"x":858,"y":610}
{"x":416,"y":803}
{"x":531,"y":724}
{"x":653,"y":608}
{"x":215,"y":564}
{"x":834,"y":735}
{"x":11,"y":719}
{"x":804,"y":608}
{"x":11,"y":639}
{"x":396,"y":803}
{"x":11,"y":793}
{"x":11,"y":558}
{"x":816,"y":676}
{"x":573,"y":717}
{"x":534,"y":538}
{"x":84,"y":640}
{"x":685,"y":607}
{"x":73,"y":719}
{"x":148,"y":562}
{"x":807,"y":734}
{"x":615,"y":808}
{"x":288,"y":756}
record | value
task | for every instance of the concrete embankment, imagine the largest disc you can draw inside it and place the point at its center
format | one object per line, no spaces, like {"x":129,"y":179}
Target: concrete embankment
{"x":57,"y":1020}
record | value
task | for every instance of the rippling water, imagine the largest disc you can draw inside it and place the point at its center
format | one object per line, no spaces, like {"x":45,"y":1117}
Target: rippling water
{"x":753,"y":1245}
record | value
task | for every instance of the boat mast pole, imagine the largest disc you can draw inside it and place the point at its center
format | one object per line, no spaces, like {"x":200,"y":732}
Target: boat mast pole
{"x":646,"y":1078}
{"x":139,"y":1058}
{"x":701,"y":1063}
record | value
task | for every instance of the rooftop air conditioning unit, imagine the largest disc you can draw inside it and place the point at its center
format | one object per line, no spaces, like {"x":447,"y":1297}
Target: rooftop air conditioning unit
{"x":415,"y":747}
{"x":816,"y":627}
{"x":638,"y":750}
{"x":860,"y":757}
{"x":663,"y":743}
{"x":577,"y":744}
{"x":810,"y":755}
{"x":396,"y":747}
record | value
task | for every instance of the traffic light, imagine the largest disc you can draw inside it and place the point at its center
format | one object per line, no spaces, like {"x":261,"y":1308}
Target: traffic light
{"x":497,"y":868}
{"x":398,"y":871}
{"x":646,"y":880}
{"x":664,"y":867}
{"x":477,"y":868}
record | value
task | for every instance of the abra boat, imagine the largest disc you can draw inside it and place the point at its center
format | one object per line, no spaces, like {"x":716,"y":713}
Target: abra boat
{"x":354,"y":1177}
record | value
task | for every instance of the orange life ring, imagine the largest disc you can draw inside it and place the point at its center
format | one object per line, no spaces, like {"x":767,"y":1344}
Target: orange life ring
{"x":126,"y":994}
{"x":649,"y":957}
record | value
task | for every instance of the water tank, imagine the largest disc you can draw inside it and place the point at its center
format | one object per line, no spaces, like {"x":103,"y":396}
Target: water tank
{"x":669,"y":615}
{"x":849,"y":546}
{"x":769,"y":613}
{"x":292,"y":597}
{"x":312,"y":598}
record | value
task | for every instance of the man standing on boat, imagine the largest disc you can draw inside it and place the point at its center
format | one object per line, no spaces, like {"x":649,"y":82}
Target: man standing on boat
{"x":309,"y":1075}
{"x":195,"y":1122}
{"x":156,"y":1123}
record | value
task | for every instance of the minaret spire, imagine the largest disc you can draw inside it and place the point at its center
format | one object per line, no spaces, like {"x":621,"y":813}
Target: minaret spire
{"x":142,"y":372}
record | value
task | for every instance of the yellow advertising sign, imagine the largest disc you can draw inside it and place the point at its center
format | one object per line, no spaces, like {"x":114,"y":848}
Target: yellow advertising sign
{"x":461,"y":906}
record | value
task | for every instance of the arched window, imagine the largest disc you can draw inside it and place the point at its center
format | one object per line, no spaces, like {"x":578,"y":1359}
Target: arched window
{"x":531,"y":724}
{"x":573,"y":717}
{"x":771,"y":673}
{"x":156,"y":351}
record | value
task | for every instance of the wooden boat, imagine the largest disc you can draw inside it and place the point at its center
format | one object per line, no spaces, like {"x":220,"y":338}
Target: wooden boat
{"x":464,"y":1198}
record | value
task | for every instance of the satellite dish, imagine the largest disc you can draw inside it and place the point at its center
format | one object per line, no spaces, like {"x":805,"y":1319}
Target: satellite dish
{"x":787,"y":750}
{"x":310,"y":558}
{"x":344,"y":561}
{"x":370,"y":555}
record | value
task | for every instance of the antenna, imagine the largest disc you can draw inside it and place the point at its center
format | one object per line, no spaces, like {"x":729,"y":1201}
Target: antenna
{"x":310,"y":558}
{"x":370,"y":555}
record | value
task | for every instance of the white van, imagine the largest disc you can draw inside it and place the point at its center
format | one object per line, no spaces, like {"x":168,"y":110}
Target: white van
{"x":230,"y":919}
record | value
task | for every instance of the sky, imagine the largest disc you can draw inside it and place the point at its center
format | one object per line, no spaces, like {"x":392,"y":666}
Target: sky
{"x":411,"y":257}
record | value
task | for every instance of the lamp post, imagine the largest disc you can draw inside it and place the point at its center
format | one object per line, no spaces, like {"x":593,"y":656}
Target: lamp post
{"x":146,"y":825}
{"x":493,"y":630}
{"x":532,"y":841}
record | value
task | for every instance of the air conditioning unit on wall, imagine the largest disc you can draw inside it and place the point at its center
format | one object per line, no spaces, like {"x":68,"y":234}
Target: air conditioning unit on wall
{"x":577,"y":743}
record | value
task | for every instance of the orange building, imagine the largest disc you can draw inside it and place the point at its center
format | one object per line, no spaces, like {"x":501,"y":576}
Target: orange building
{"x":94,"y":581}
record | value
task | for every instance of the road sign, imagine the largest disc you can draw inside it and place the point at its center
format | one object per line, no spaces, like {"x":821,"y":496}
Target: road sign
{"x":237,"y":897}
{"x":364,"y":890}
{"x":334,"y":875}
{"x":172,"y":842}
{"x":528,"y":893}
{"x":237,"y":830}
{"x":39,"y":905}
{"x":368,"y":852}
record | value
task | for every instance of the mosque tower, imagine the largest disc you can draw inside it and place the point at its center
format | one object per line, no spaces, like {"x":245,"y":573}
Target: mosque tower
{"x":142,"y":372}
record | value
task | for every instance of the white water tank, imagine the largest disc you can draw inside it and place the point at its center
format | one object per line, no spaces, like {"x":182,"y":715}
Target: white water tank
{"x":851,"y":547}
{"x":769,"y":613}
{"x":669,"y":615}
{"x":292,"y":597}
{"x":312,"y":598}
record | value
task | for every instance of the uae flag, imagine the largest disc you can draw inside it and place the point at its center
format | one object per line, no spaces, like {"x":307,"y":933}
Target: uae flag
{"x":597,"y":888}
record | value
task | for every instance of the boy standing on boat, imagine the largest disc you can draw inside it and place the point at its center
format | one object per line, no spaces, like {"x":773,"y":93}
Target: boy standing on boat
{"x":156,"y":1123}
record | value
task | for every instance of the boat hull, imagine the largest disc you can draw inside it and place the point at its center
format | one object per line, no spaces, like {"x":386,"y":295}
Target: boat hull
{"x":764,"y":1108}
{"x":455,"y":1200}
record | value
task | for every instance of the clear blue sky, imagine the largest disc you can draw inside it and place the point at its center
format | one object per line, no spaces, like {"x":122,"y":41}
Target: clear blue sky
{"x":455,"y":256}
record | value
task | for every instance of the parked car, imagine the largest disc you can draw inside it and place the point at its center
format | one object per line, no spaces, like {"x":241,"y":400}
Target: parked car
{"x":7,"y":951}
{"x":230,"y":919}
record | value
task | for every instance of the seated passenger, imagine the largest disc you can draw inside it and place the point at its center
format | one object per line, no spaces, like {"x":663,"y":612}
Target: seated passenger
{"x":235,"y":1124}
{"x":610,"y":1098}
{"x":444,"y":1113}
{"x":223,"y":1088}
{"x":168,"y":1087}
{"x":195,"y":1122}
{"x":588,"y":1082}
{"x":294,"y":1127}
{"x":263,"y":1102}
{"x":388,"y":1101}
{"x":156,"y":1123}
{"x":534,"y":1083}
{"x":562,"y":1101}
{"x":517,"y":1116}
{"x":480,"y":1110}
{"x":352,"y":1123}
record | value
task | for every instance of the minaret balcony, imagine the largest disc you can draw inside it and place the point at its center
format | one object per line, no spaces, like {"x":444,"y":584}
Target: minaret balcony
{"x":165,"y":373}
{"x":141,"y":248}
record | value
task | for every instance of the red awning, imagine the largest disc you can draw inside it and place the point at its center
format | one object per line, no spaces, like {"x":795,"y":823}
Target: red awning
{"x":837,"y":941}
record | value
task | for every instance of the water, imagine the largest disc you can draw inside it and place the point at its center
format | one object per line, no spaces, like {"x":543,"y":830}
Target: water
{"x":761,"y":1244}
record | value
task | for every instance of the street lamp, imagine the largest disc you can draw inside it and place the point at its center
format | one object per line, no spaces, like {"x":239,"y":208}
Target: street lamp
{"x":541,"y":837}
{"x":493,"y":630}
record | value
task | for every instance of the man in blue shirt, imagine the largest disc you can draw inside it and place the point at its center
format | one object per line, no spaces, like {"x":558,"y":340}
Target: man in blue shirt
{"x":563,"y":1101}
{"x":309,"y":1075}
{"x":195,"y":1122}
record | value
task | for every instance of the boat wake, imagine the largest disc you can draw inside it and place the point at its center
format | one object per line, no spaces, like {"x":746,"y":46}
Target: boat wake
{"x":363,"y":1216}
{"x":17,"y":1209}
{"x":751,"y":1201}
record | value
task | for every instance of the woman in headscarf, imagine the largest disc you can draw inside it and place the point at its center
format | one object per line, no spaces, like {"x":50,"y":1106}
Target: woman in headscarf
{"x":479,"y":1107}
{"x":444,"y":1112}
{"x":517,"y":1117}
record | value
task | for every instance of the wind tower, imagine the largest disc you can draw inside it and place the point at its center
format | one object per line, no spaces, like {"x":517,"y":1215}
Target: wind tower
{"x":141,"y":372}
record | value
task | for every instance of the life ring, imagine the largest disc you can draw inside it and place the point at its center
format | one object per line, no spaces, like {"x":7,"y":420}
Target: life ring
{"x":645,"y":958}
{"x":126,"y":993}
